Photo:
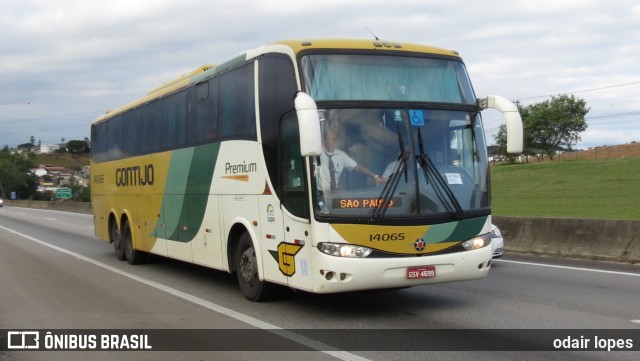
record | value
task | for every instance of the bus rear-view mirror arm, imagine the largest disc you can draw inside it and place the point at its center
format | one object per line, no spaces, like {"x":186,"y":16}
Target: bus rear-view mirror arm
{"x":512,"y":119}
{"x":309,"y":124}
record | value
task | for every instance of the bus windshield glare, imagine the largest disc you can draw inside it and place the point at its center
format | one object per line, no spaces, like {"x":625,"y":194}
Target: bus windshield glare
{"x":386,"y":78}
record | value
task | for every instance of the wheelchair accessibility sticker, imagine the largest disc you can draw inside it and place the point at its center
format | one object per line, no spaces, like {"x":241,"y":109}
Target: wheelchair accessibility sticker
{"x":416,"y":117}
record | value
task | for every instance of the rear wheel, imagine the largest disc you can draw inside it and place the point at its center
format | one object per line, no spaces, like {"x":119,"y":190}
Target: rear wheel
{"x":133,"y":256}
{"x":247,"y":271}
{"x":116,"y":239}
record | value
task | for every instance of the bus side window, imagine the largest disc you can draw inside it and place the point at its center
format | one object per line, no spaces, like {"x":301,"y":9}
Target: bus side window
{"x":236,"y":109}
{"x":174,"y":116}
{"x":212,"y":104}
{"x":114,"y":131}
{"x":293,"y":192}
{"x":131,"y":138}
{"x":199,"y":113}
{"x":99,"y":142}
{"x":277,"y":88}
{"x":152,"y":128}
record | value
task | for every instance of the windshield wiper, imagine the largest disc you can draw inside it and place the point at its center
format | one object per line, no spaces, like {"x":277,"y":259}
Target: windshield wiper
{"x":390,"y":187}
{"x":430,"y":169}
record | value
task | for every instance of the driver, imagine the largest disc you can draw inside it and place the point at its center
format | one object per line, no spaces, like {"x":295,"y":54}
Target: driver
{"x":334,"y":161}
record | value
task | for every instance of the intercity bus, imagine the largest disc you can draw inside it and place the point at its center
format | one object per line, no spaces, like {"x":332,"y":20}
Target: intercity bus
{"x":222,"y":167}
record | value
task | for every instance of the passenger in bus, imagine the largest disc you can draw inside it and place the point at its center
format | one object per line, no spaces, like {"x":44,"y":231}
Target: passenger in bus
{"x":334,"y":161}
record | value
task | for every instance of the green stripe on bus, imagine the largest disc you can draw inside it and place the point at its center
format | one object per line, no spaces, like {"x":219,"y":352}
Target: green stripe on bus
{"x":187,"y":192}
{"x":456,"y":231}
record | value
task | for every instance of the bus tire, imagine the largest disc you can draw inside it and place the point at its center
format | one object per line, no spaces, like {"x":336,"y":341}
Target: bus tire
{"x":247,"y":272}
{"x":133,"y":256}
{"x":116,"y":239}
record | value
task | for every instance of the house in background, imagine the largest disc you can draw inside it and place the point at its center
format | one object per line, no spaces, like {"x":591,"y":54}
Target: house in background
{"x":48,"y":148}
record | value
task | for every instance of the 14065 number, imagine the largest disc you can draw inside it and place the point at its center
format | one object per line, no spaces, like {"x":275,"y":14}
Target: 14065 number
{"x":384,"y":237}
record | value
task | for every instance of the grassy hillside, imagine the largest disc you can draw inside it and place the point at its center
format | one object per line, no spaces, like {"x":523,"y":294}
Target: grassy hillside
{"x":67,"y":160}
{"x":603,"y":189}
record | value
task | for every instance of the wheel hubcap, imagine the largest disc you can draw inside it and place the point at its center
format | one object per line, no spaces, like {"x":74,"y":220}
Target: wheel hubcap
{"x":247,"y":265}
{"x":116,"y":237}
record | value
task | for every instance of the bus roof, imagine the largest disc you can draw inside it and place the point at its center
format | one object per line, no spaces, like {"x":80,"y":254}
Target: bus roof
{"x":296,"y":46}
{"x":363,"y":44}
{"x":166,"y":88}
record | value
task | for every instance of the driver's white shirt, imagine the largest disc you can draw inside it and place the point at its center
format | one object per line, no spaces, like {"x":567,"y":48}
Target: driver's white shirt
{"x":340,"y":161}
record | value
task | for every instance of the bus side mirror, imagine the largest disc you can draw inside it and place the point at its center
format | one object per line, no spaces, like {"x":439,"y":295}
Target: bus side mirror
{"x":512,"y":119}
{"x":309,"y":125}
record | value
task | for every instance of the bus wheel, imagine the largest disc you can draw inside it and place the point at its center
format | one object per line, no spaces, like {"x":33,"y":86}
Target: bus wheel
{"x":114,"y":236}
{"x":247,"y":271}
{"x":133,"y":256}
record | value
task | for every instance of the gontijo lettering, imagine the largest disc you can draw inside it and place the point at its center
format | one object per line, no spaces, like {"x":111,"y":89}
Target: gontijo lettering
{"x":135,"y":176}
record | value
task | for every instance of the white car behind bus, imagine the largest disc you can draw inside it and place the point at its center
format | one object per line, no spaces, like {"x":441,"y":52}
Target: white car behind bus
{"x":497,"y":242}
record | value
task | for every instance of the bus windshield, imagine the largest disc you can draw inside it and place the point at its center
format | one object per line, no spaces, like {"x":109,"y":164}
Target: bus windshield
{"x":400,"y":162}
{"x":386,"y":78}
{"x":424,"y":157}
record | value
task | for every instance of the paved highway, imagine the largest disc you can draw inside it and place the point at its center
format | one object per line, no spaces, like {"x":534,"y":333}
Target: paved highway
{"x":55,"y":274}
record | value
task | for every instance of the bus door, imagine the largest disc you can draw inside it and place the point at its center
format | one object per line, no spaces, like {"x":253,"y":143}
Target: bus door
{"x":294,"y":252}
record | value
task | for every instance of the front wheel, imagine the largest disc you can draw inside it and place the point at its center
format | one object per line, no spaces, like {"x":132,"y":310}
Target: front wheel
{"x":247,"y":271}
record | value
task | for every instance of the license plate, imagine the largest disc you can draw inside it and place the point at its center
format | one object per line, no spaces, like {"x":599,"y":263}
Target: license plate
{"x":419,"y":272}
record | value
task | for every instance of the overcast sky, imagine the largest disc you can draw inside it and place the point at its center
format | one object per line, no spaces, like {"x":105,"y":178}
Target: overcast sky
{"x":64,"y":62}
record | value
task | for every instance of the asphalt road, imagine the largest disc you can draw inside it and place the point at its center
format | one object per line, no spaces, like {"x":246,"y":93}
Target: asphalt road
{"x":55,"y":274}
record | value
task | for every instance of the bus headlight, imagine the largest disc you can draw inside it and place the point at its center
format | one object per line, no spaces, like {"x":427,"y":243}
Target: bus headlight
{"x":344,"y":250}
{"x":478,"y":242}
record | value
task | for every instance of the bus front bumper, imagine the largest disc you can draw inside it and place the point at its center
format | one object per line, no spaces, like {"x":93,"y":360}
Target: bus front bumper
{"x":341,"y":274}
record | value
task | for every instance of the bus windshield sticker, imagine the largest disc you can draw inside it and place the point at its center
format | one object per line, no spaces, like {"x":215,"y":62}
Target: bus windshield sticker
{"x":417,"y":118}
{"x":454,"y":178}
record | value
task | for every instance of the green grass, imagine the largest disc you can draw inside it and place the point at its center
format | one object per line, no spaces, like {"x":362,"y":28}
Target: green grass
{"x":604,"y":189}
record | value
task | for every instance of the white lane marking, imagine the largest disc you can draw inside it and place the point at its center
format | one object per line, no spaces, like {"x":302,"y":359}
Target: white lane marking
{"x":71,"y":214}
{"x":42,"y":210}
{"x":326,"y":349}
{"x":635,"y":321}
{"x":571,"y":268}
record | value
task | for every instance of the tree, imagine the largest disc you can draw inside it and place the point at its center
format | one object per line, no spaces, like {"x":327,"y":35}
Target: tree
{"x":501,"y":145}
{"x":15,"y":176}
{"x":77,"y":146}
{"x":554,"y":124}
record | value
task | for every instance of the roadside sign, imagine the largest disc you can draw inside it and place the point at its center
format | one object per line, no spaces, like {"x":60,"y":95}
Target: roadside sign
{"x":63,"y":193}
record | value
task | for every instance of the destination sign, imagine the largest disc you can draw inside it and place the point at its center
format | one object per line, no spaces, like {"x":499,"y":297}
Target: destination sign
{"x":363,"y":203}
